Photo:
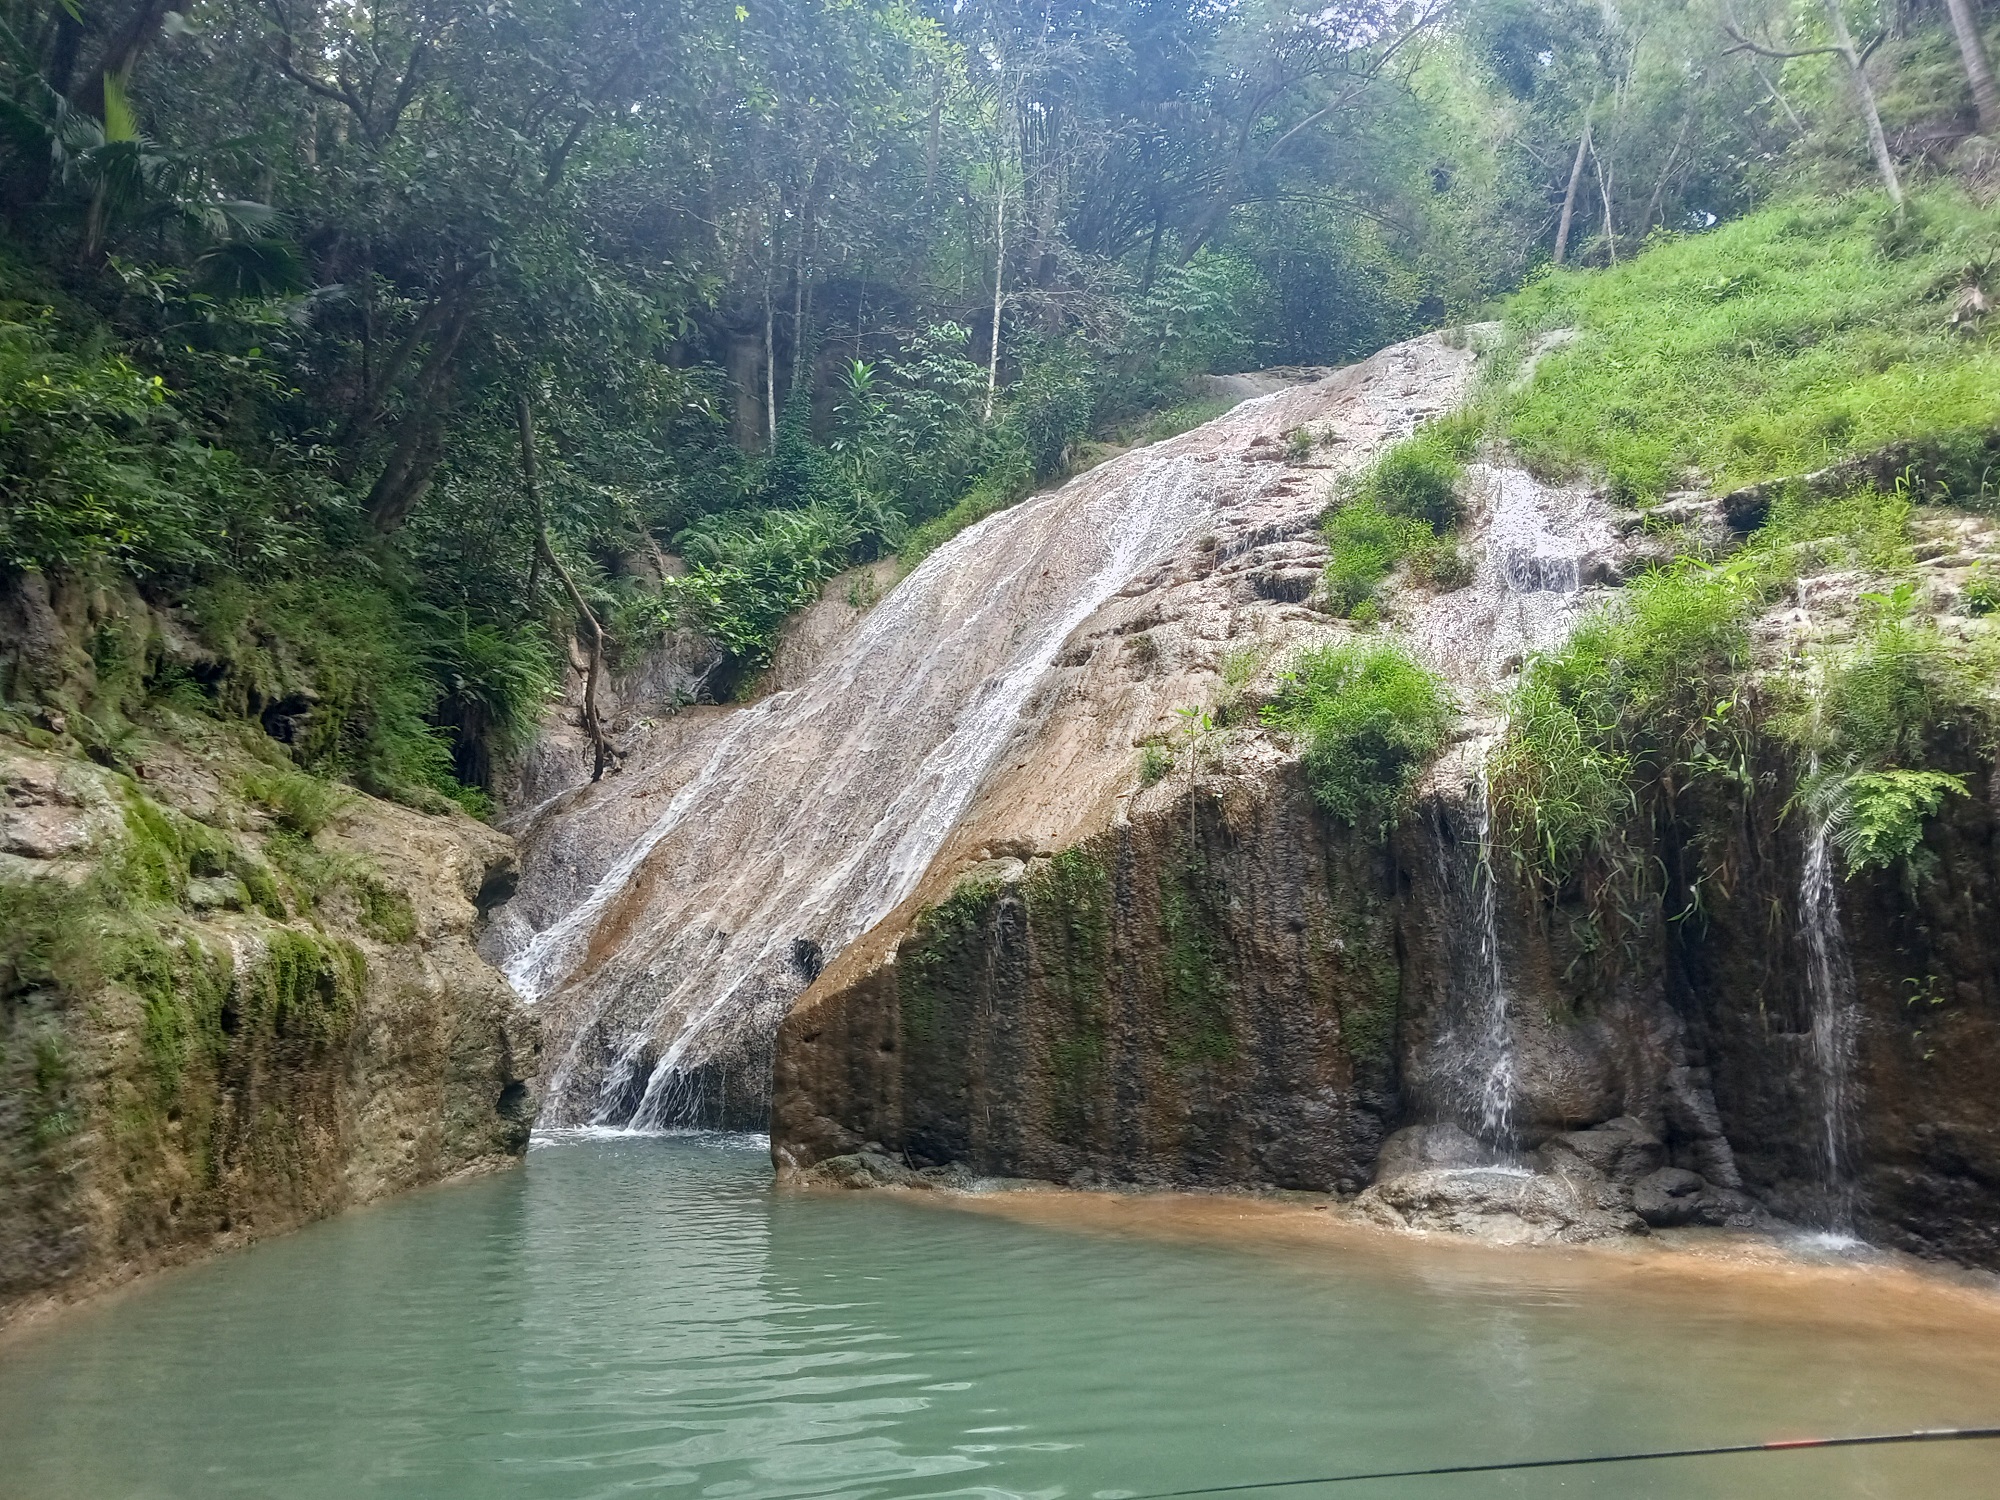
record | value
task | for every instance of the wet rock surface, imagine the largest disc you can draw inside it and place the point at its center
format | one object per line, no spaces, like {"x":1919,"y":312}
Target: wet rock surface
{"x":213,"y":1028}
{"x":1170,"y":1041}
{"x":659,"y":909}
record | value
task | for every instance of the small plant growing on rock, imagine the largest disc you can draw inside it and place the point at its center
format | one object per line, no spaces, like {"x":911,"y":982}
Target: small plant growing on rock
{"x":1370,"y":718}
{"x":302,"y":804}
{"x":1155,"y":761}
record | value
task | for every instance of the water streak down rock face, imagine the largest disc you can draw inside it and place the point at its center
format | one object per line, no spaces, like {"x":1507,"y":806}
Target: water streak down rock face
{"x":668,"y":917}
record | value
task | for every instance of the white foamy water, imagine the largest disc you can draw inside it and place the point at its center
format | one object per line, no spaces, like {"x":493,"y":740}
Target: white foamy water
{"x":1830,"y":988}
{"x":684,"y":905}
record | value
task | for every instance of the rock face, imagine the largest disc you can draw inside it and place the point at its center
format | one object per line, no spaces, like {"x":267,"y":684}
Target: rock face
{"x":669,"y":916}
{"x":1140,"y":1007}
{"x":219,"y":1019}
{"x":1208,"y":982}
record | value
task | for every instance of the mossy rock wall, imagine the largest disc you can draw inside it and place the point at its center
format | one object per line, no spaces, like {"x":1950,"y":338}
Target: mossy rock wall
{"x":1264,"y":1009}
{"x":214,"y":1028}
{"x":1926,"y":1076}
{"x":1180,"y":1001}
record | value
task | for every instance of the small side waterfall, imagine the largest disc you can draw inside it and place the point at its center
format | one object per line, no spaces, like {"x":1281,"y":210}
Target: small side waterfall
{"x":1830,"y":989}
{"x":1496,"y":1042}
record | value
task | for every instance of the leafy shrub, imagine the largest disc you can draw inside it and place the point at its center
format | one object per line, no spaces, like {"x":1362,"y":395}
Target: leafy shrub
{"x":1897,"y":699}
{"x":1366,"y":543}
{"x":1370,"y":718}
{"x":1401,"y":509}
{"x":1155,"y":762}
{"x":1647,"y":687}
{"x":1882,"y":814}
{"x":496,"y":685}
{"x":1418,"y":478}
{"x":748,"y":570}
{"x":336,"y":669}
{"x":95,"y":463}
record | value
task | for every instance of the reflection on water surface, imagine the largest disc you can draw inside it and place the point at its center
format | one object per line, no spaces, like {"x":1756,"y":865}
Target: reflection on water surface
{"x":645,"y":1316}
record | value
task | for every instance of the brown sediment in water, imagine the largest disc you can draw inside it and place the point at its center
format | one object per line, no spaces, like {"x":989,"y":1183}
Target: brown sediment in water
{"x":1731,"y":1274}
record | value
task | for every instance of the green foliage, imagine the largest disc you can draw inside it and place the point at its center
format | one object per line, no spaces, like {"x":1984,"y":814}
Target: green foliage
{"x":1370,"y":719}
{"x":1403,"y":509}
{"x":336,"y":668}
{"x":1648,"y":688}
{"x":1366,"y":545}
{"x":1418,"y":478}
{"x":1155,"y":763}
{"x":1882,"y":814}
{"x":1772,"y":346}
{"x":1981,"y":595}
{"x":302,"y":803}
{"x":1886,"y":710}
{"x":747,"y":571}
{"x":96,"y":463}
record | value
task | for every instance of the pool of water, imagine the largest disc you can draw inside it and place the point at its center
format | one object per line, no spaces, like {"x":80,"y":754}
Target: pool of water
{"x":647,"y":1316}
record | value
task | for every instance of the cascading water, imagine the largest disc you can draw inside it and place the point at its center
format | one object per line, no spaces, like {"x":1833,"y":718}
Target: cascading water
{"x":1830,"y":990}
{"x":1496,"y":1040}
{"x":774,"y":835}
{"x":817,"y":810}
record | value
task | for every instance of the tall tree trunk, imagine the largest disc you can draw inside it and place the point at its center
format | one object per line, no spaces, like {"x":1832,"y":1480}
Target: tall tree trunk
{"x":770,"y":355}
{"x":1978,"y":73}
{"x":420,"y":443}
{"x":603,"y":756}
{"x":799,"y":304}
{"x":1666,"y":171}
{"x":1569,"y":195}
{"x":1857,"y":70}
{"x":1604,"y":196}
{"x":999,"y":269}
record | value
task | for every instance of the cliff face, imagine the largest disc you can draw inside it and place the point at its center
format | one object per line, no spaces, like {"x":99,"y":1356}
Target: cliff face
{"x":1270,"y":1010}
{"x":1926,"y":966}
{"x":1211,"y":982}
{"x":1203,"y":995}
{"x":231,"y":999}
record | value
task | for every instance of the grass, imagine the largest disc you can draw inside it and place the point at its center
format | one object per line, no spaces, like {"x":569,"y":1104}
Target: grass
{"x":1659,"y":697}
{"x":1774,"y":345}
{"x":1404,"y":509}
{"x":1370,"y":719}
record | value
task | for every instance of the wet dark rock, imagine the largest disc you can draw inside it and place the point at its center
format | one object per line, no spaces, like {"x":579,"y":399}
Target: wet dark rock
{"x":1668,"y":1197}
{"x":866,"y":1169}
{"x":1437,"y":1178}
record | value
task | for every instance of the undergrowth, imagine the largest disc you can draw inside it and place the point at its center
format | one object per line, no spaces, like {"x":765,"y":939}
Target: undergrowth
{"x":1370,"y":719}
{"x":1771,"y":346}
{"x":1405,"y":508}
{"x":1656,"y":705}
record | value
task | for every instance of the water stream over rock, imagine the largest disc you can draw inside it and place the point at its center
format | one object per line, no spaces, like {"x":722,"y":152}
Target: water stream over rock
{"x":670,"y":915}
{"x":1830,"y":988}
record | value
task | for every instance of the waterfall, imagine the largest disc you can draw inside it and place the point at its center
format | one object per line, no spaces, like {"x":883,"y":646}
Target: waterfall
{"x":817,"y":810}
{"x":1830,"y":989}
{"x":680,"y":908}
{"x":1496,"y":1038}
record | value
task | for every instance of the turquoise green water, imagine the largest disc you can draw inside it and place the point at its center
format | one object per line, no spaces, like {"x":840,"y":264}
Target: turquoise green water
{"x":645,"y":1317}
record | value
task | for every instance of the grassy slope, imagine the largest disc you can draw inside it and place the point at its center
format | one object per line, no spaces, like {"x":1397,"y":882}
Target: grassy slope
{"x":1774,"y":345}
